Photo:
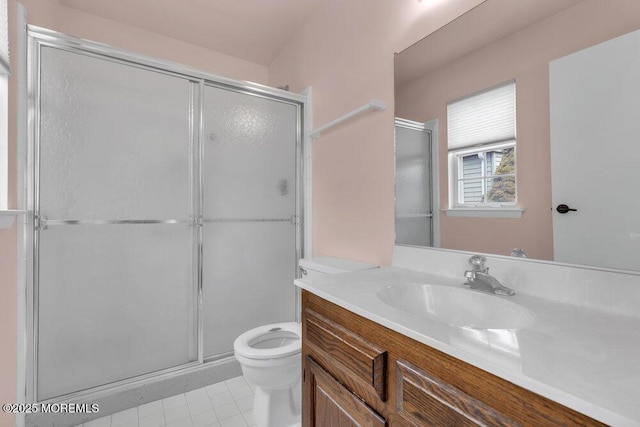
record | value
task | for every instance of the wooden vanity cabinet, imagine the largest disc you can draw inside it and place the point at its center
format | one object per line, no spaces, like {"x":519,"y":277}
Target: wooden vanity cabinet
{"x":359,"y":373}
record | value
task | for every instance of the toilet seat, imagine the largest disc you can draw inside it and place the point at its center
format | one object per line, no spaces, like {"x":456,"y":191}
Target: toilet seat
{"x":280,"y":340}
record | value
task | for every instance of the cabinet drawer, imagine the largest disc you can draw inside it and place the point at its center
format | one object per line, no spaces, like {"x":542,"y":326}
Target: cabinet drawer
{"x":424,"y":400}
{"x":354,"y":360}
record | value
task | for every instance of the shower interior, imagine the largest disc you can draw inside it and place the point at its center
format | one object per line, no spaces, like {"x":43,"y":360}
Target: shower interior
{"x":166,"y":220}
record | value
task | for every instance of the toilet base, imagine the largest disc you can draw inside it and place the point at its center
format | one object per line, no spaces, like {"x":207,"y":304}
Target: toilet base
{"x":278,"y":408}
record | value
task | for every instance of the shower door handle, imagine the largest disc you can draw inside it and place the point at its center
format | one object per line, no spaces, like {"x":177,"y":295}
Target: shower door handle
{"x":41,"y":222}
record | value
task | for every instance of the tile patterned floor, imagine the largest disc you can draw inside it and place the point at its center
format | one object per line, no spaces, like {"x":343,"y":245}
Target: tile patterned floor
{"x":224,"y":404}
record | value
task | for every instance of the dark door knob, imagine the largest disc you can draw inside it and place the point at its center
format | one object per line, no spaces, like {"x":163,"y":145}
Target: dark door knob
{"x":563,"y":209}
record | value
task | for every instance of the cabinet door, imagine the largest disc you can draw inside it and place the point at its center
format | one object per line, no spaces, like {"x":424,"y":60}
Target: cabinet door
{"x":328,"y":403}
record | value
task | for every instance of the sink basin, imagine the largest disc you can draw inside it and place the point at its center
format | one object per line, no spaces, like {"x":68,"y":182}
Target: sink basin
{"x":457,"y":306}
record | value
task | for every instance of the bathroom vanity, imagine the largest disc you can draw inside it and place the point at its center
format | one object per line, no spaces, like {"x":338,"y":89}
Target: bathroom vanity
{"x":370,"y":360}
{"x":356,"y":369}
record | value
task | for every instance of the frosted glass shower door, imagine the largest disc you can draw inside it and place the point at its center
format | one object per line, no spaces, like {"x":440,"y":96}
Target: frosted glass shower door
{"x":249,"y":231}
{"x":116,"y":295}
{"x":413,"y":188}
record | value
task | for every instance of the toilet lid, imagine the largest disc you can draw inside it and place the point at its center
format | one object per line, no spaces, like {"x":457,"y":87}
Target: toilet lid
{"x":270,"y":341}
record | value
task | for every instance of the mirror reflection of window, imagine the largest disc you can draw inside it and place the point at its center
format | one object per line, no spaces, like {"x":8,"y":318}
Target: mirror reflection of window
{"x":487,"y":176}
{"x":482,"y":148}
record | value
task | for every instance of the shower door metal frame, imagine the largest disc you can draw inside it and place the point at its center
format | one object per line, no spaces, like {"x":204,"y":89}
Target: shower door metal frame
{"x":39,"y":37}
{"x":431,"y":128}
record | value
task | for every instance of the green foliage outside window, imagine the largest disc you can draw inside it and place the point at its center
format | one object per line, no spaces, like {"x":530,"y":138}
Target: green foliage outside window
{"x":503,"y":188}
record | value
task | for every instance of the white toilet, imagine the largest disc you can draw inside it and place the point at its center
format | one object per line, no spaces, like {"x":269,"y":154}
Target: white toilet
{"x":270,"y":356}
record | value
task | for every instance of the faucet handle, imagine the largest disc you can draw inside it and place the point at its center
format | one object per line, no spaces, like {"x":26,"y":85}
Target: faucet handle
{"x":470,"y":275}
{"x":477,"y":263}
{"x":519,"y":253}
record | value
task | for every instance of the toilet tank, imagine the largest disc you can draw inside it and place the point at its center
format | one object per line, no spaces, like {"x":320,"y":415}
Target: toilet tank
{"x":325,"y":265}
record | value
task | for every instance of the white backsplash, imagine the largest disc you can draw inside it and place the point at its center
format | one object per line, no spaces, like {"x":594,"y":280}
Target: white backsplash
{"x":599,"y":289}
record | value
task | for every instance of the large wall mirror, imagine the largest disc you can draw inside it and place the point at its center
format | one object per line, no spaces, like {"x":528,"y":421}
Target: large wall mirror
{"x":516,"y":129}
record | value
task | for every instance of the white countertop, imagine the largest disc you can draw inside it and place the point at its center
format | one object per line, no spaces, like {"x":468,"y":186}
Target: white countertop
{"x":585,"y":359}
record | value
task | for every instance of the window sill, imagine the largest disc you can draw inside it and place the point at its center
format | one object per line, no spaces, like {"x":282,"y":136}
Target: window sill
{"x":7,"y":217}
{"x":511,"y":212}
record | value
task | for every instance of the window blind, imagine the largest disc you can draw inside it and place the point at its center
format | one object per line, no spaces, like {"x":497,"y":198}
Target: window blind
{"x":4,"y":38}
{"x":483,"y":118}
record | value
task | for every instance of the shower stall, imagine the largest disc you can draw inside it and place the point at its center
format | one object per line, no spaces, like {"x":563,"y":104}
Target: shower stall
{"x":166,"y":217}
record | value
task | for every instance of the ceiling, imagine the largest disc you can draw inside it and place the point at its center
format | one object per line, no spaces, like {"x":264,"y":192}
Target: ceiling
{"x":485,"y":24}
{"x":253,"y":30}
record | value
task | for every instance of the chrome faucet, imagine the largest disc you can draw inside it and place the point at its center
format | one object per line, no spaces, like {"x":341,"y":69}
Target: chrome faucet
{"x":479,"y":278}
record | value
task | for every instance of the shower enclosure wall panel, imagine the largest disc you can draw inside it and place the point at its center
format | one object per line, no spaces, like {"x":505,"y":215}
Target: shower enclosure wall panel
{"x":249,"y":210}
{"x":116,"y":236}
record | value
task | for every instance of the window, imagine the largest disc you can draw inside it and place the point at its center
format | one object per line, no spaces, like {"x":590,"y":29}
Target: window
{"x":482,"y":149}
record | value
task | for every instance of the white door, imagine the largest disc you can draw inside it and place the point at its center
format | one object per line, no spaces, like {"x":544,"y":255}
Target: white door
{"x":595,"y":154}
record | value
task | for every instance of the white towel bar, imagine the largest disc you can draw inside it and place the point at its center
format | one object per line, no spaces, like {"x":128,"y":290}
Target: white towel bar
{"x":374,"y":104}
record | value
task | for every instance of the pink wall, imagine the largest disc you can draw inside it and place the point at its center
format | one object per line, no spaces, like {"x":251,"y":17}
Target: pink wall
{"x":7,"y":321}
{"x":345,"y":53}
{"x":524,"y":56}
{"x":77,"y":23}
